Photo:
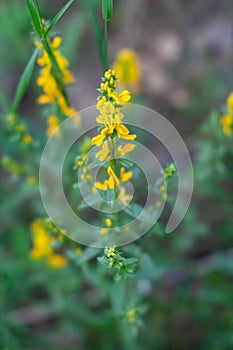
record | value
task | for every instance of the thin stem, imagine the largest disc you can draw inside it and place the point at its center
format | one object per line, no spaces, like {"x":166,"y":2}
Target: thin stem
{"x":97,"y":31}
{"x":105,"y":45}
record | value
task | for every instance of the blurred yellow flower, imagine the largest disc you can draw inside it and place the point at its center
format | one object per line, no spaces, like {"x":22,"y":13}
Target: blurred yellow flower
{"x":128,"y":69}
{"x":227,"y":119}
{"x":131,"y":315}
{"x":31,"y":180}
{"x":104,"y":152}
{"x":42,"y":245}
{"x":122,"y":150}
{"x":48,"y":80}
{"x":227,"y":123}
{"x":27,"y":139}
{"x":113,"y":179}
{"x":230,"y":103}
{"x":53,"y":123}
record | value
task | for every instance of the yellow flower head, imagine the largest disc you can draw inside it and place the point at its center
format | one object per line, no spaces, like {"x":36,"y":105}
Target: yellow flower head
{"x":42,"y":245}
{"x":230,"y":103}
{"x":227,"y":123}
{"x":131,"y":315}
{"x":227,"y":119}
{"x":53,"y":86}
{"x":27,"y":139}
{"x":113,"y":180}
{"x":122,"y":150}
{"x":53,"y":123}
{"x":128,"y":68}
{"x":104,"y":152}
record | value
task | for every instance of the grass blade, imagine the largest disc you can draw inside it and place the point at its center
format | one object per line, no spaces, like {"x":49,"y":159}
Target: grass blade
{"x":97,"y":31}
{"x":58,"y":16}
{"x":24,"y":81}
{"x":3,"y":101}
{"x":27,"y":73}
{"x":35,"y":15}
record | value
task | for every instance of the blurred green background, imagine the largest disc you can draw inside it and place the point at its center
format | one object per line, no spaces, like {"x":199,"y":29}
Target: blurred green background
{"x":184,"y":283}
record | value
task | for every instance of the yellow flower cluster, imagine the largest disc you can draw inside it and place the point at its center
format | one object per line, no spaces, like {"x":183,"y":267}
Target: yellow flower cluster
{"x":227,"y":119}
{"x":109,"y":106}
{"x":111,"y":117}
{"x":42,"y":244}
{"x":105,"y":230}
{"x":52,"y":92}
{"x":53,"y":81}
{"x":113,"y":180}
{"x":15,"y":125}
{"x":128,"y":69}
{"x":113,"y":257}
{"x":10,"y":165}
{"x":131,"y":315}
{"x":163,"y":195}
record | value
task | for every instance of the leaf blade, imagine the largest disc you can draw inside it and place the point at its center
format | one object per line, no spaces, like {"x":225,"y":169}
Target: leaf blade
{"x":24,"y":81}
{"x":35,"y":15}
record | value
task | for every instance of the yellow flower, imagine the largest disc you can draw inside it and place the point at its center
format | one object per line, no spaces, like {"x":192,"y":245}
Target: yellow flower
{"x":57,"y":260}
{"x":53,"y":123}
{"x":110,"y":252}
{"x":113,"y":179}
{"x":102,"y":186}
{"x":125,"y":176}
{"x":41,"y":245}
{"x":122,"y":150}
{"x":12,"y":166}
{"x":109,"y":108}
{"x":124,"y":198}
{"x":123,"y":97}
{"x":230,"y":103}
{"x":52,"y":89}
{"x":11,"y":118}
{"x":31,"y":180}
{"x":227,"y":123}
{"x":123,"y":132}
{"x":98,"y":140}
{"x":79,"y":250}
{"x":227,"y":119}
{"x":131,"y":315}
{"x":104,"y":152}
{"x":104,"y":231}
{"x":127,"y":68}
{"x":108,"y":222}
{"x":27,"y":139}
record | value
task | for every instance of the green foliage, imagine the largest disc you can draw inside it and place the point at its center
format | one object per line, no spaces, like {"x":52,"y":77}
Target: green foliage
{"x":163,"y":291}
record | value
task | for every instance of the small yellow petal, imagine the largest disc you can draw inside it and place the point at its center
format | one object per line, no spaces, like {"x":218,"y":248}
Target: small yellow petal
{"x":108,"y":222}
{"x":102,"y":186}
{"x":104,"y":231}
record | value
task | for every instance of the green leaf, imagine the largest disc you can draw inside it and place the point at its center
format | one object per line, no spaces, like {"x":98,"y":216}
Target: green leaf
{"x":58,"y":16}
{"x":134,"y":210}
{"x":24,"y":81}
{"x":97,"y":31}
{"x":92,"y":199}
{"x":87,"y":254}
{"x":35,"y":15}
{"x":3,"y":101}
{"x":26,"y":76}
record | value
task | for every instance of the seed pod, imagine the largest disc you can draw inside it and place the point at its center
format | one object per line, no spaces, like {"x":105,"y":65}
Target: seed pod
{"x":107,"y":9}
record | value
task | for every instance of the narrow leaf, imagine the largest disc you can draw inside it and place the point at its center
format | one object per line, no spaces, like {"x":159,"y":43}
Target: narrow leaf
{"x":35,"y":16}
{"x":24,"y":81}
{"x":58,"y":16}
{"x":3,"y":101}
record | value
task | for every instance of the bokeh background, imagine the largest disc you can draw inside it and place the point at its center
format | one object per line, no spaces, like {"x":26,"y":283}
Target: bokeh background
{"x":185,"y":50}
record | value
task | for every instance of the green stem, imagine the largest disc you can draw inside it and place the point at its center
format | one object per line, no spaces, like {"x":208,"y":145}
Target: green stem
{"x":105,"y":45}
{"x":97,"y":31}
